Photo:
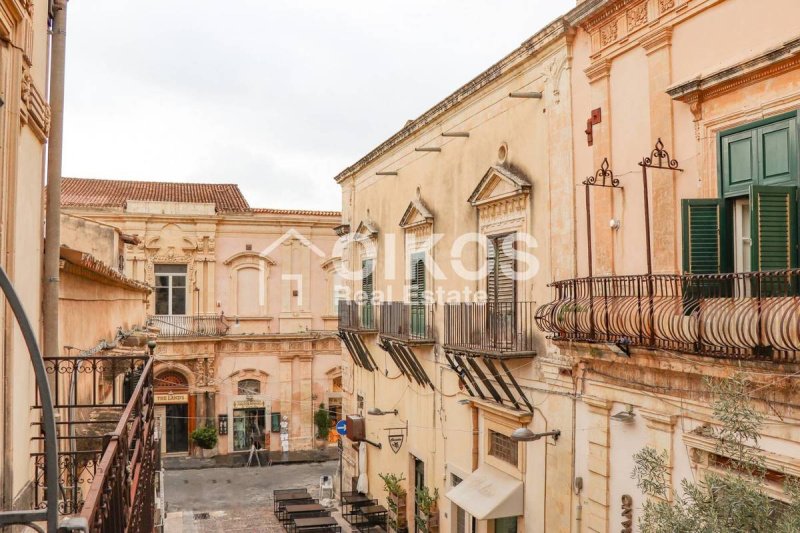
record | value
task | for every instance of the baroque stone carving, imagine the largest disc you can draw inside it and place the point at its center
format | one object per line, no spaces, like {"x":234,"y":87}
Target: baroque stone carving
{"x":665,"y":5}
{"x":636,"y":16}
{"x":608,"y":33}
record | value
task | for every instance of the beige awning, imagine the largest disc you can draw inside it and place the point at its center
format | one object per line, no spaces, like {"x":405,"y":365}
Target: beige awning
{"x":488,"y":493}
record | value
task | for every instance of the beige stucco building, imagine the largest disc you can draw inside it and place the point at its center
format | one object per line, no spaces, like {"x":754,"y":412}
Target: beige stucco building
{"x":243,"y":299}
{"x":717,"y":82}
{"x":24,"y":126}
{"x":450,"y":343}
{"x":614,"y":356}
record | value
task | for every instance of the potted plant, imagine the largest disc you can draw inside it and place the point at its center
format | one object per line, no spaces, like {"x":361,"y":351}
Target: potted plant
{"x":396,"y":500}
{"x":205,"y":438}
{"x":322,"y":419}
{"x":427,"y":518}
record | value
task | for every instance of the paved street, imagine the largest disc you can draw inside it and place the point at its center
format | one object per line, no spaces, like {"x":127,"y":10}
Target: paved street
{"x":234,"y":499}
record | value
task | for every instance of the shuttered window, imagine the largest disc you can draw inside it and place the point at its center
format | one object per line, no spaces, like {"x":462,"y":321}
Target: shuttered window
{"x":702,"y":236}
{"x":501,"y":286}
{"x":417,"y":293}
{"x":367,"y":290}
{"x":774,"y":227}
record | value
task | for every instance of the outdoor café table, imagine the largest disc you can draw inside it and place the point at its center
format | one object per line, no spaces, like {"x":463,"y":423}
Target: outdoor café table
{"x":375,"y":514}
{"x":276,"y":492}
{"x":313,"y":523}
{"x":303,"y":510}
{"x":353,"y":501}
{"x":289,"y":498}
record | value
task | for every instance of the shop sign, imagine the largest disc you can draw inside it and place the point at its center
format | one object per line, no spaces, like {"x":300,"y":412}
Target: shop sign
{"x":248,"y":404}
{"x":170,"y":397}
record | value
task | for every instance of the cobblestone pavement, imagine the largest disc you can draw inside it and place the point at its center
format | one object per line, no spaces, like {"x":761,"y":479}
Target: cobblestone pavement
{"x":234,"y":499}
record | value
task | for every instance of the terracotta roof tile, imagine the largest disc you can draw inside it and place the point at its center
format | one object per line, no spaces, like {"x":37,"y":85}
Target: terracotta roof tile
{"x":83,"y":192}
{"x":307,"y":212}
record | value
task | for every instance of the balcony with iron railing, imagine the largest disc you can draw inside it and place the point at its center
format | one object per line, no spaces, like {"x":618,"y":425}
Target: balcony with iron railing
{"x":497,"y":329}
{"x":108,"y":449}
{"x":408,"y":323}
{"x":202,"y":325}
{"x":359,"y":316}
{"x":750,"y":315}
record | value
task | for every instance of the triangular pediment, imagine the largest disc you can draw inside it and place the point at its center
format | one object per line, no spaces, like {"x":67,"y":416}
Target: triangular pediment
{"x":417,"y":214}
{"x":499,"y":183}
{"x":366,"y":229}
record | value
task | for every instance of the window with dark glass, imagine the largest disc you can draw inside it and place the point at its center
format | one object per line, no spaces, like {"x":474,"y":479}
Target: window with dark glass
{"x":249,"y":387}
{"x":170,"y":289}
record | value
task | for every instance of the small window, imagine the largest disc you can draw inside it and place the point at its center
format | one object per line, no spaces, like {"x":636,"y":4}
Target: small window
{"x":505,"y":525}
{"x":275,"y":423}
{"x":502,"y":447}
{"x":249,"y":387}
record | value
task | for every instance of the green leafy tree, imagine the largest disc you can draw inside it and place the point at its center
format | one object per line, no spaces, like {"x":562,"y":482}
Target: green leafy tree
{"x":322,"y":419}
{"x":733,"y":501}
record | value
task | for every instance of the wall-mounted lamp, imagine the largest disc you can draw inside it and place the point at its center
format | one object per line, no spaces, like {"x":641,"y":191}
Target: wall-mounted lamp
{"x":374,"y":411}
{"x":626,"y":416}
{"x":526,"y":435}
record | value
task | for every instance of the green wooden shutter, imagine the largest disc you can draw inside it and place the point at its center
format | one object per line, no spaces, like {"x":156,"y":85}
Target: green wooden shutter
{"x":367,"y":290}
{"x":773,"y":212}
{"x":418,"y":293}
{"x":501,"y":286}
{"x":703,"y":235}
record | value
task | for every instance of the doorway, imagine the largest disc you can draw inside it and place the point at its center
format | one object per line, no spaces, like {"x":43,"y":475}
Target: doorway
{"x":177,"y":428}
{"x":419,"y":482}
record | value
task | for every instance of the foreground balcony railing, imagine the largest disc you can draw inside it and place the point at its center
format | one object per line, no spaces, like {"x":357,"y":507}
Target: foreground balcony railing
{"x":208,"y":325}
{"x":358,"y":316}
{"x":490,"y":328}
{"x":412,"y":323}
{"x":121,"y":496}
{"x":90,"y":393}
{"x":752,"y":315}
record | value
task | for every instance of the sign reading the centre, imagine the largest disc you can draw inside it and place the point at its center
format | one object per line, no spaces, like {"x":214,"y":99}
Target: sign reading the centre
{"x":170,"y":398}
{"x":248,"y":404}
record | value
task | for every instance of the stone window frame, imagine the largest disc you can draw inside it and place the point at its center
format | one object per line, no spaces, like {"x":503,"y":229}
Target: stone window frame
{"x":254,"y":261}
{"x":331,"y":269}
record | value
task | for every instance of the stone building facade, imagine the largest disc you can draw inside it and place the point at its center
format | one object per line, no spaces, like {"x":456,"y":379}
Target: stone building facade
{"x":243,"y":299}
{"x":619,"y":113}
{"x":24,"y":127}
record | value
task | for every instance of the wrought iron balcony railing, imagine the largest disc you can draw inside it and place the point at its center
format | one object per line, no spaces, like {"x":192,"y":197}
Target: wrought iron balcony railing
{"x":490,"y":328}
{"x":121,"y":496}
{"x":411,"y":323}
{"x":358,"y":316}
{"x":751,"y":315}
{"x":208,"y":325}
{"x":109,"y":450}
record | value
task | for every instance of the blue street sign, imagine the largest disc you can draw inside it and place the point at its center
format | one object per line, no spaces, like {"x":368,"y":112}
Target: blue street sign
{"x":341,"y":427}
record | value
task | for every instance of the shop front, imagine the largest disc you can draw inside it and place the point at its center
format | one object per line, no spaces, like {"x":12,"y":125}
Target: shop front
{"x":249,"y":416}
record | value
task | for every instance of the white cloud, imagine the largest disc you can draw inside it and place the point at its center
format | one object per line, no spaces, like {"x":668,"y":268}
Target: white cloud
{"x":276,"y":96}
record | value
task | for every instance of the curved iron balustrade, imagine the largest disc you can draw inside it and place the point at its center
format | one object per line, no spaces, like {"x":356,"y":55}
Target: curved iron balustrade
{"x":751,"y":315}
{"x":50,"y":513}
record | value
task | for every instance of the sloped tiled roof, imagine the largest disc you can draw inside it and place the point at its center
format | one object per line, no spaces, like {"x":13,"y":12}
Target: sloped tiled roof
{"x":83,"y":192}
{"x":307,"y":212}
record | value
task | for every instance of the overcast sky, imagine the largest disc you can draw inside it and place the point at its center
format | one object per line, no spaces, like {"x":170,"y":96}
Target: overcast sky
{"x":278,"y":96}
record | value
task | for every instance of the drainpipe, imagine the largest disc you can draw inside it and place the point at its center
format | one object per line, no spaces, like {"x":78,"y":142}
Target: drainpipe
{"x":52,"y":242}
{"x":475,"y":438}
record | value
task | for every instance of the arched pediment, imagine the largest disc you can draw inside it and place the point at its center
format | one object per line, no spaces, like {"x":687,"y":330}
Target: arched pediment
{"x":499,"y":183}
{"x":243,"y":258}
